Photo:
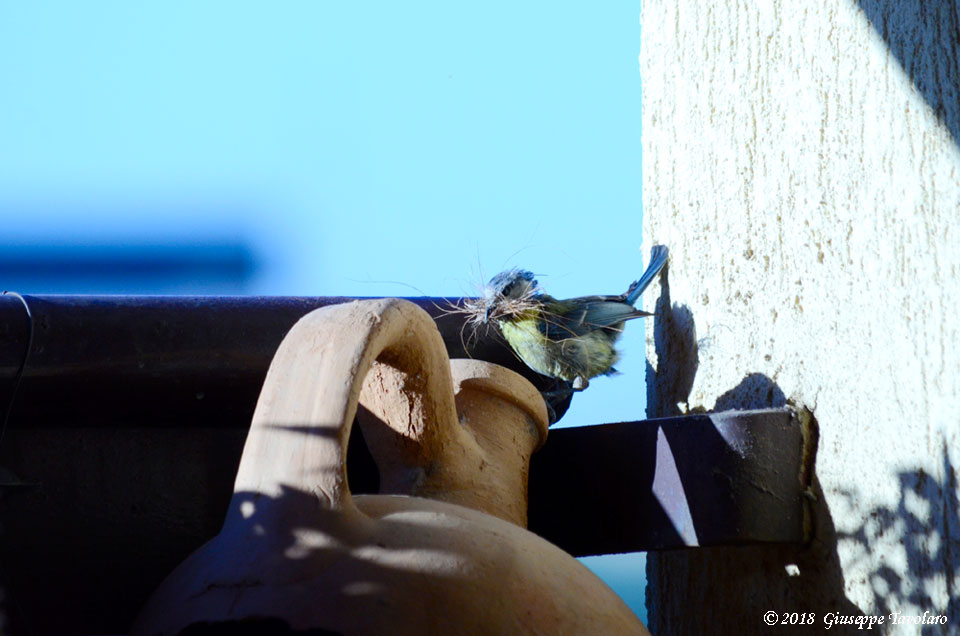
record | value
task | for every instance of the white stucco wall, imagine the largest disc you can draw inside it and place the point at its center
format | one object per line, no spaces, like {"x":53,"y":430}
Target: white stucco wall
{"x":802,"y":162}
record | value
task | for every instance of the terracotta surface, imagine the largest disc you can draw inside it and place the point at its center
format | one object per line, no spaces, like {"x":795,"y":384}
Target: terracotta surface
{"x":482,"y":462}
{"x":297,"y":546}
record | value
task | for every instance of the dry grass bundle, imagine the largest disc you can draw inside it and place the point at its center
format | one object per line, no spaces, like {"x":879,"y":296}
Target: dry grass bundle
{"x":475,"y":314}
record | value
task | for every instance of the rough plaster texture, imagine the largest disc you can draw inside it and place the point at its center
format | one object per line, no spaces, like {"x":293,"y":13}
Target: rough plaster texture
{"x":801,"y":161}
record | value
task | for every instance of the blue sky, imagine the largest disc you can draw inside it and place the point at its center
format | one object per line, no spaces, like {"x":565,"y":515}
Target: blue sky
{"x":355,"y":149}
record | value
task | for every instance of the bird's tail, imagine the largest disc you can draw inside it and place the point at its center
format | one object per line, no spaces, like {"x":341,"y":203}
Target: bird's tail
{"x":658,"y":258}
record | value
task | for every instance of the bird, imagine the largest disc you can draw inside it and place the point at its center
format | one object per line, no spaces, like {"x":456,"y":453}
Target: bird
{"x":571,"y":340}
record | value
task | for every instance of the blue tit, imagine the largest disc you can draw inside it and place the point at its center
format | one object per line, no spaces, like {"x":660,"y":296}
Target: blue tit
{"x":572,"y":340}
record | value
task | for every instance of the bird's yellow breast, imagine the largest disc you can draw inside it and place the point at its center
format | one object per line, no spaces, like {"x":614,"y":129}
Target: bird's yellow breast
{"x":584,"y":356}
{"x":526,"y":339}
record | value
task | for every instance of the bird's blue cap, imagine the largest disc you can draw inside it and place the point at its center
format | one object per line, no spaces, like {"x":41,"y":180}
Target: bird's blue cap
{"x":502,"y":282}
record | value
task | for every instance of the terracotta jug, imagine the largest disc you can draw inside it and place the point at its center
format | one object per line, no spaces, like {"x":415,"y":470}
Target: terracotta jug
{"x":445,"y":553}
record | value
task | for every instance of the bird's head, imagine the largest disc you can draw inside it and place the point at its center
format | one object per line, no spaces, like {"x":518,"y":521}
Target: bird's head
{"x":508,"y":292}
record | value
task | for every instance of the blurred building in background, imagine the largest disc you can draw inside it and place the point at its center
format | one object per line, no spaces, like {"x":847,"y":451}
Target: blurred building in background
{"x":151,"y":268}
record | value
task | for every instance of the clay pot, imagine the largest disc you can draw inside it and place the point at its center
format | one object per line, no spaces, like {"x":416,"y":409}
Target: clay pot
{"x":297,"y":551}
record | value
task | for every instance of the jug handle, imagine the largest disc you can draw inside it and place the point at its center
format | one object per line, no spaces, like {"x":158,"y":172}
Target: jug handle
{"x":300,"y":428}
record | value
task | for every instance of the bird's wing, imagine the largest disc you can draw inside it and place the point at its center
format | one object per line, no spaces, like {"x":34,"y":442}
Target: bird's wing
{"x":579,"y":316}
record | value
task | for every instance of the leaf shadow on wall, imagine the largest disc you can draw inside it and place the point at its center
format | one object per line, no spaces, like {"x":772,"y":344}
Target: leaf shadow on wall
{"x":737,"y":584}
{"x":925,"y":525}
{"x":923,"y":36}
